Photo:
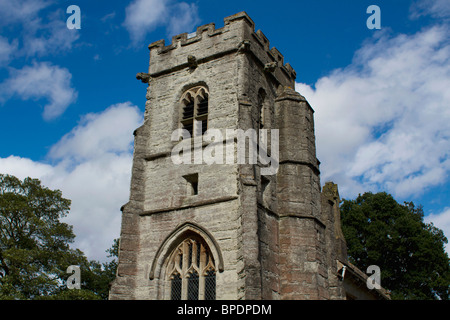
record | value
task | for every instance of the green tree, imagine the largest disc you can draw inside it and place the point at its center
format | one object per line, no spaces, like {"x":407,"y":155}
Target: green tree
{"x":97,"y":277}
{"x":35,"y":246}
{"x":34,"y":243}
{"x":110,"y":268}
{"x":410,"y":253}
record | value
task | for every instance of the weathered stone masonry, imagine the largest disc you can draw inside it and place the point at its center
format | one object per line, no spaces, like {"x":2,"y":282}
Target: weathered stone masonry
{"x":270,"y":237}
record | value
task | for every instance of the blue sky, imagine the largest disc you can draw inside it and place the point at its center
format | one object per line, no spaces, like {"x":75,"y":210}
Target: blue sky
{"x":69,"y":100}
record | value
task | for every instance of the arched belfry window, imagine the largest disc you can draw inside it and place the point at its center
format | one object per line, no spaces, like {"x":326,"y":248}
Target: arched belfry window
{"x":191,"y":271}
{"x":261,"y":109}
{"x":194,"y":110}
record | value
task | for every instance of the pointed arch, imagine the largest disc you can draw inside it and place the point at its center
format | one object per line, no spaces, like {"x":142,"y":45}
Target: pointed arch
{"x":194,"y":110}
{"x":175,"y":238}
{"x":261,"y":109}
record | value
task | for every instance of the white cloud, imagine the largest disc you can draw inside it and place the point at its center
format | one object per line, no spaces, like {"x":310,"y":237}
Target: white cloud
{"x":34,"y":31}
{"x":7,"y":50}
{"x":98,"y":183}
{"x":41,"y":80}
{"x":143,"y":16}
{"x":98,"y":134}
{"x":382,"y":122}
{"x":109,"y":16}
{"x":435,"y":8}
{"x":51,"y":38}
{"x":183,"y":18}
{"x":41,"y":31}
{"x":22,"y":11}
{"x":97,"y":188}
{"x":23,"y":167}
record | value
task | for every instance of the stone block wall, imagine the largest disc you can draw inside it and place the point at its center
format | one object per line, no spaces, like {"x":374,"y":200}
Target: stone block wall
{"x":274,"y":237}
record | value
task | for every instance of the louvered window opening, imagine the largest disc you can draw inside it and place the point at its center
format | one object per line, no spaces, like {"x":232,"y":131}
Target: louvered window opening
{"x":194,"y":117}
{"x":192,"y":272}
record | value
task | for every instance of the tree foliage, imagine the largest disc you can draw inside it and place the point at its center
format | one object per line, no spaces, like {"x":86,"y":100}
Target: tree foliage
{"x":410,"y":253}
{"x":35,"y":246}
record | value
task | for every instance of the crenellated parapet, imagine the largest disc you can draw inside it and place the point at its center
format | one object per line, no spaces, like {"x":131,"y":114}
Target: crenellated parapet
{"x":237,"y":36}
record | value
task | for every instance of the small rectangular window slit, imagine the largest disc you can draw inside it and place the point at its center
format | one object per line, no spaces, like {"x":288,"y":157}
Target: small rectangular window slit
{"x":192,"y":184}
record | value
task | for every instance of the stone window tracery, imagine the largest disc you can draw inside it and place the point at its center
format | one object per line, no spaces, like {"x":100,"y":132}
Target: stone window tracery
{"x":194,"y":111}
{"x":191,"y":271}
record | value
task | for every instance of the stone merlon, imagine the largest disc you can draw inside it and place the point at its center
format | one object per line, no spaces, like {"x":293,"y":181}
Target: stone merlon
{"x":210,"y":43}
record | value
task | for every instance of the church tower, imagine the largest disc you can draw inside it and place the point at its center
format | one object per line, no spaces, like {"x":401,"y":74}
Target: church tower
{"x":242,"y":229}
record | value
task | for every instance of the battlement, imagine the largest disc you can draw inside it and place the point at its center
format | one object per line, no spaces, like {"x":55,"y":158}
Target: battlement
{"x":185,"y":38}
{"x":206,"y":43}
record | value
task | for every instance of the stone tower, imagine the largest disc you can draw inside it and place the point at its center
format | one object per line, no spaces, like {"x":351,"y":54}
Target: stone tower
{"x":225,"y":230}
